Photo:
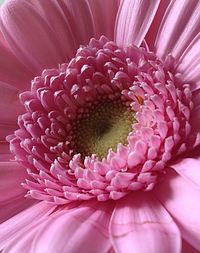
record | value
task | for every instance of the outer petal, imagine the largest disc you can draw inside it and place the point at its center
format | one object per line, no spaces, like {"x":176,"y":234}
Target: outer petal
{"x":12,"y":199}
{"x":10,"y":108}
{"x":195,"y":119}
{"x":12,"y":174}
{"x":181,"y":199}
{"x":14,"y":206}
{"x":104,"y":16}
{"x":12,"y":71}
{"x":179,"y":26}
{"x":5,"y":154}
{"x":29,"y":36}
{"x":189,"y":63}
{"x":23,"y":223}
{"x":6,"y":129}
{"x":153,"y":30}
{"x":61,"y":27}
{"x":84,"y":229}
{"x":23,"y":239}
{"x":94,"y":19}
{"x":189,"y":168}
{"x":140,"y":224}
{"x":133,"y":21}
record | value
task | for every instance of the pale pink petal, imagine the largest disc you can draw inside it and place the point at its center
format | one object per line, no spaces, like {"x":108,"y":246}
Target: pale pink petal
{"x":95,"y":18}
{"x":189,"y":63}
{"x":133,"y":21}
{"x":30,"y":37}
{"x":140,"y":224}
{"x":84,"y":229}
{"x":12,"y":200}
{"x":61,"y":27}
{"x":178,"y":27}
{"x":181,"y":199}
{"x":12,"y":71}
{"x":23,"y":239}
{"x":10,"y":109}
{"x":189,"y":168}
{"x":23,"y":222}
{"x":153,"y":30}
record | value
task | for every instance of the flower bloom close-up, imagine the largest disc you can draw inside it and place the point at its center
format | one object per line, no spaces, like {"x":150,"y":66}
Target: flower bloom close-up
{"x":100,"y":126}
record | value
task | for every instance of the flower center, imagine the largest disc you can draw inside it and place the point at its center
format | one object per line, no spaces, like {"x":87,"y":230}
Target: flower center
{"x":102,"y":127}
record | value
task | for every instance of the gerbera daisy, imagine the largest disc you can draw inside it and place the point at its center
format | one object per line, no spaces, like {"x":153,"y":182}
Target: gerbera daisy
{"x":100,"y":126}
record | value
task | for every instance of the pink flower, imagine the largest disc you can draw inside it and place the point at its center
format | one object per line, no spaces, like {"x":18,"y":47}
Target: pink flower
{"x":99,"y":153}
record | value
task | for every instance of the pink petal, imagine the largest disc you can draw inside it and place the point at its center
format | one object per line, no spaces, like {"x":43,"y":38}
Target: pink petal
{"x":178,"y":27}
{"x":182,"y":201}
{"x":30,"y":37}
{"x":95,"y":18}
{"x":5,"y":151}
{"x":133,"y":21}
{"x":61,"y":27}
{"x":195,"y":114}
{"x":6,"y":129}
{"x":10,"y":109}
{"x":12,"y":71}
{"x":23,"y":240}
{"x":153,"y":30}
{"x":14,"y":206}
{"x":5,"y":154}
{"x":11,"y":174}
{"x":84,"y":229}
{"x":12,"y":200}
{"x":5,"y":157}
{"x":23,"y":222}
{"x":140,"y":224}
{"x":189,"y":63}
{"x":104,"y":16}
{"x":189,"y":168}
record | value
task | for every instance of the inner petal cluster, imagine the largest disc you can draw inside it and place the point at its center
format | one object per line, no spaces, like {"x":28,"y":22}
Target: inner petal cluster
{"x":104,"y":124}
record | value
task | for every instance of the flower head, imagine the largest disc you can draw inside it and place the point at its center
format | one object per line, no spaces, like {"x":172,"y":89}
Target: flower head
{"x":103,"y":138}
